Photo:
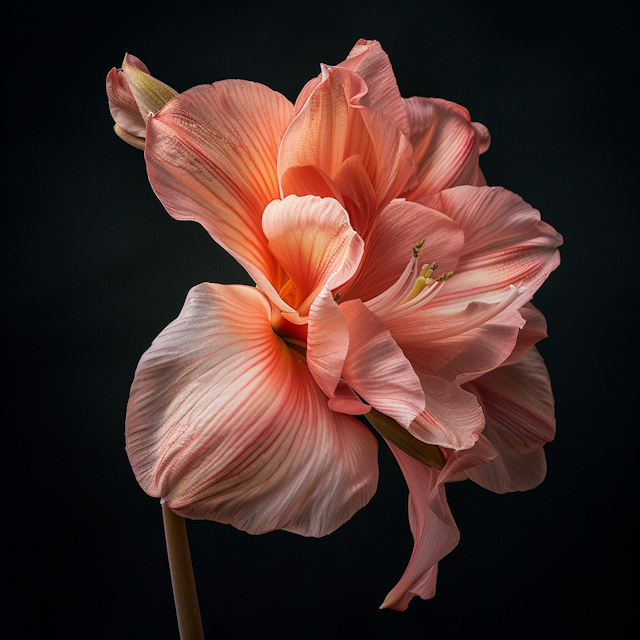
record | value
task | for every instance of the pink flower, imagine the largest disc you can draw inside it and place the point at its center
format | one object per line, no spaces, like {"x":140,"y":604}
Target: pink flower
{"x":391,"y":282}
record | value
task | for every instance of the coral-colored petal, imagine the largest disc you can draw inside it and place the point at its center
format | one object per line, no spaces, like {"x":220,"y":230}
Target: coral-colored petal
{"x":506,"y":244}
{"x":225,"y":423}
{"x":327,"y":343}
{"x":371,"y":63}
{"x":345,"y":400}
{"x":312,"y":239}
{"x":211,"y":157}
{"x":519,"y":409}
{"x":376,"y":367}
{"x":389,"y":247}
{"x":357,"y":193}
{"x":446,"y":145}
{"x":332,"y":126}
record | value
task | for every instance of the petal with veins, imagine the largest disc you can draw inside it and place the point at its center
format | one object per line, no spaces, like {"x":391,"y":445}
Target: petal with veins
{"x":519,"y":409}
{"x":211,"y":157}
{"x":225,"y":423}
{"x":377,"y":369}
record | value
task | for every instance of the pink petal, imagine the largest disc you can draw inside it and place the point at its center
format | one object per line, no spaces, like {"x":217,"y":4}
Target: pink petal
{"x":312,"y":239}
{"x":389,"y":247}
{"x":434,"y":532}
{"x":377,"y":369}
{"x":506,"y":244}
{"x":345,"y":400}
{"x":446,"y":145}
{"x":225,"y":423}
{"x":332,"y":126}
{"x":211,"y":157}
{"x":519,"y":409}
{"x":452,"y":417}
{"x":533,"y":331}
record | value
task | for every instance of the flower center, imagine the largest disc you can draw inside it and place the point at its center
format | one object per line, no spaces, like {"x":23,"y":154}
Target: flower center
{"x":415,"y":288}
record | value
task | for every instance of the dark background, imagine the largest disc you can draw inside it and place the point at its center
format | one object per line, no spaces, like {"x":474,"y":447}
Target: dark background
{"x":95,"y":268}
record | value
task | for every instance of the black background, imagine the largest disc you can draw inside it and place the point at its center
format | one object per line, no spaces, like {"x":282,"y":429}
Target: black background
{"x":95,"y":268}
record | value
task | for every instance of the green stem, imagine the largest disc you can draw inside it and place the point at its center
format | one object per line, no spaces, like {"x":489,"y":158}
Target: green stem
{"x":184,"y":585}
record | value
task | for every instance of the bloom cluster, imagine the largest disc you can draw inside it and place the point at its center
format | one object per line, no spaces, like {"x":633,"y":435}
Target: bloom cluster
{"x":391,"y":283}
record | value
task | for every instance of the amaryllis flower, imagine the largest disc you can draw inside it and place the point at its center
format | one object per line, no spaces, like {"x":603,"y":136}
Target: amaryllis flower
{"x":391,"y":283}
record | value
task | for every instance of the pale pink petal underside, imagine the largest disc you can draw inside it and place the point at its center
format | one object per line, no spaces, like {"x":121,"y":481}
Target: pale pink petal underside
{"x":225,"y":423}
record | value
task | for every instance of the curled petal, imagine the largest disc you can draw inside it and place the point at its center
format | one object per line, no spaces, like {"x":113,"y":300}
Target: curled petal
{"x":312,"y":239}
{"x":226,"y":423}
{"x":533,"y":331}
{"x":211,"y":157}
{"x":377,"y":369}
{"x":446,"y":145}
{"x":434,"y":532}
{"x":519,"y":410}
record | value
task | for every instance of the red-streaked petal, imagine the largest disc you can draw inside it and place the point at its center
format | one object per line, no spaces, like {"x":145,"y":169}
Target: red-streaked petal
{"x":506,"y":244}
{"x":519,"y":410}
{"x":312,"y":239}
{"x":377,"y":369}
{"x":226,"y":423}
{"x":446,"y":145}
{"x":388,"y":248}
{"x":211,"y":157}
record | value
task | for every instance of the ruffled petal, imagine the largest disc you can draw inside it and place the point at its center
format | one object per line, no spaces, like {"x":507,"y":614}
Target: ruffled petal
{"x":506,"y":244}
{"x":389,"y":247}
{"x":377,"y":369}
{"x":225,"y":423}
{"x":519,"y":410}
{"x":332,"y":126}
{"x":211,"y":157}
{"x":446,"y":145}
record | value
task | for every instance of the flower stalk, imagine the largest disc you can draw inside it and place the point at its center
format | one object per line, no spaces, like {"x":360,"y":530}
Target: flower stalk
{"x":182,"y":580}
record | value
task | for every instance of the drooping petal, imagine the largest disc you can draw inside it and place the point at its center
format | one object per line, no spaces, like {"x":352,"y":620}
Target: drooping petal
{"x":434,"y":531}
{"x":377,"y":369}
{"x":519,"y":410}
{"x":312,"y":239}
{"x":211,"y":157}
{"x":332,"y":126}
{"x":390,"y":242}
{"x":506,"y":244}
{"x":226,"y":423}
{"x":446,"y":145}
